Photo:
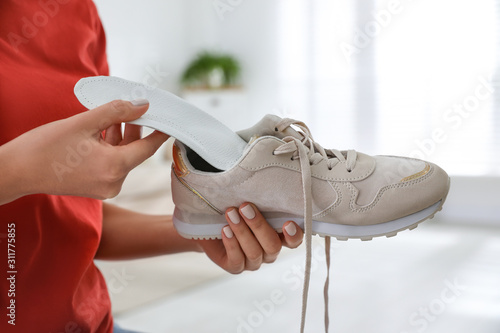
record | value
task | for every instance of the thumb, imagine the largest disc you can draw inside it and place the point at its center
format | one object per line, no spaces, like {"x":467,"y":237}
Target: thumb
{"x":115,"y":112}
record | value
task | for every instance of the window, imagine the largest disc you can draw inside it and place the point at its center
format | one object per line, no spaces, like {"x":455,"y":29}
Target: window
{"x":414,"y":78}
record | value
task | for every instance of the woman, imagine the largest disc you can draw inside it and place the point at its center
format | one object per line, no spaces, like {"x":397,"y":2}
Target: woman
{"x":57,"y":161}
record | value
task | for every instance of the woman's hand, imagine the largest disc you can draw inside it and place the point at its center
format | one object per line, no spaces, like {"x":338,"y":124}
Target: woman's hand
{"x":84,"y":155}
{"x":248,"y":240}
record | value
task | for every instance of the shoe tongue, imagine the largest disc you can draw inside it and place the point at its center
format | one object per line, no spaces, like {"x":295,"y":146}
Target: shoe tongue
{"x":267,"y":127}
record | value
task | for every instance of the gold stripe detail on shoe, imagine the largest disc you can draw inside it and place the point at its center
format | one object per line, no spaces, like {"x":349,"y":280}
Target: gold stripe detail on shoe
{"x":418,"y":174}
{"x":180,"y":168}
{"x":183,"y":182}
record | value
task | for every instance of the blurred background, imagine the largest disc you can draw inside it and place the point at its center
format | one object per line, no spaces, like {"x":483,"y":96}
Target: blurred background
{"x":393,"y":77}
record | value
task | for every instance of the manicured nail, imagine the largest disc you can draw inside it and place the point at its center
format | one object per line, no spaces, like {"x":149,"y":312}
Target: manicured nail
{"x":139,"y":102}
{"x":248,"y":212}
{"x":291,"y":229}
{"x":228,"y":232}
{"x":234,"y":216}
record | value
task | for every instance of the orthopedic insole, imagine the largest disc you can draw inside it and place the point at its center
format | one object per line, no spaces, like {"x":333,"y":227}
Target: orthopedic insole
{"x":170,"y":114}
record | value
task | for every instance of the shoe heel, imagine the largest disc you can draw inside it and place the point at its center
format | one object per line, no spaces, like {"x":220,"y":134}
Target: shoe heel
{"x":198,"y":226}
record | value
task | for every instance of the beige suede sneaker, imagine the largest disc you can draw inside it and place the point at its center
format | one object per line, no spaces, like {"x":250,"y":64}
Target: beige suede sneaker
{"x":344,"y":194}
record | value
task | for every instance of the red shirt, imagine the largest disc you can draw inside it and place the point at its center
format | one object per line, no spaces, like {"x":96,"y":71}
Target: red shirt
{"x":46,"y":46}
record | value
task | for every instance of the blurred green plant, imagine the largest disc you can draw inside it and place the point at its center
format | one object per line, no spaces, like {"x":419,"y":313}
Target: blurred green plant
{"x":211,"y":71}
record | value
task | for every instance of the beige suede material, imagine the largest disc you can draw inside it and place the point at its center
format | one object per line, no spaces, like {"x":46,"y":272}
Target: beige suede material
{"x":270,"y":187}
{"x":261,"y":156}
{"x":389,"y":170}
{"x":372,"y":193}
{"x":187,"y":201}
{"x":229,"y":178}
{"x":284,"y":191}
{"x":391,"y":202}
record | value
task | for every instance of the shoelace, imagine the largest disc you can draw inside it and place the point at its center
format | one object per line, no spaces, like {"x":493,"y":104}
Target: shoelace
{"x":311,"y":153}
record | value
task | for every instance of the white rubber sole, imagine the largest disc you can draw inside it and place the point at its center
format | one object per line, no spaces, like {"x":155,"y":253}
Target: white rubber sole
{"x":339,"y":231}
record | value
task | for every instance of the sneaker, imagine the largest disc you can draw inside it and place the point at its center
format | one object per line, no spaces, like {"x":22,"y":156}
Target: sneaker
{"x":278,"y":166}
{"x":347,"y":194}
{"x":289,"y":176}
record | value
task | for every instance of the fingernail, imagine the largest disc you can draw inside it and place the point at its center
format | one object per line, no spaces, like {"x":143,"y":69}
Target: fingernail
{"x":234,"y":216}
{"x":291,"y":229}
{"x":228,"y":232}
{"x":248,"y":212}
{"x":139,"y":102}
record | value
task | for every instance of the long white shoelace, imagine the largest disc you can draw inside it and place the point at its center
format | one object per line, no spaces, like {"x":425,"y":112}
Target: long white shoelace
{"x":310,"y":153}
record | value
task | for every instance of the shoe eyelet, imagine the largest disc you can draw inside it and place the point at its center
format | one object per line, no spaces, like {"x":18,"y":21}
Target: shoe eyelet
{"x":273,"y":153}
{"x":276,"y":129}
{"x":349,"y":170}
{"x":291,"y":158}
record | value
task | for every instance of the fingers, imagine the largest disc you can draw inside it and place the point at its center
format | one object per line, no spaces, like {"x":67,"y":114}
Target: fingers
{"x":227,"y":254}
{"x":113,"y":134}
{"x":258,"y":240}
{"x":265,"y":234}
{"x":138,"y":151}
{"x":110,"y":116}
{"x":134,"y":149}
{"x":115,"y":112}
{"x":235,"y":259}
{"x":132,"y":133}
{"x":249,"y":240}
{"x":254,"y":254}
{"x":292,"y":235}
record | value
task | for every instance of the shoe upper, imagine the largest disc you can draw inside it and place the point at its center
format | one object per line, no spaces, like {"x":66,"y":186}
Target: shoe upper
{"x":347,"y":187}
